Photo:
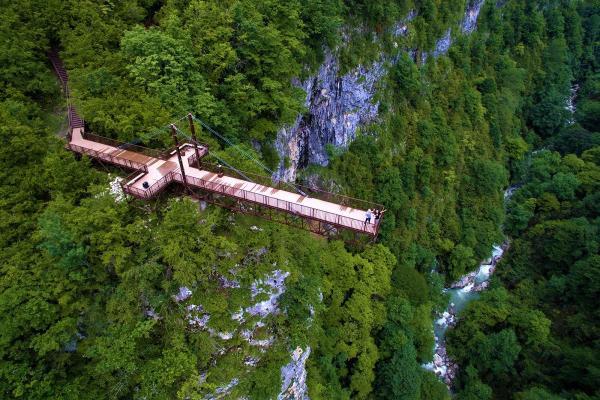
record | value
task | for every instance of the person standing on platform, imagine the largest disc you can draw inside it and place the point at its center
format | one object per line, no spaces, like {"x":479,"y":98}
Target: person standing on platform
{"x":368,"y":216}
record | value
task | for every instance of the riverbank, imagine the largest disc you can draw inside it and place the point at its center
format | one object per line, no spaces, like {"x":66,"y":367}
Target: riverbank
{"x":461,"y":293}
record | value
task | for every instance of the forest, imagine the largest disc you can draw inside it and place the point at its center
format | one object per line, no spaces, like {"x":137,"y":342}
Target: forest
{"x":110,"y":297}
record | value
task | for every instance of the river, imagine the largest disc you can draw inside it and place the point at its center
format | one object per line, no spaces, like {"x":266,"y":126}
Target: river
{"x":461,"y":292}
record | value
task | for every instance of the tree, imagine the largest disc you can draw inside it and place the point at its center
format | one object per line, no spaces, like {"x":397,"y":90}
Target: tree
{"x":60,"y":243}
{"x":499,"y":352}
{"x":520,"y":215}
{"x":474,"y":388}
{"x":562,"y":242}
{"x":186,"y":243}
{"x":584,"y":279}
{"x":432,"y":388}
{"x":536,"y":394}
{"x":162,"y":66}
{"x":406,"y":77}
{"x":564,"y":185}
{"x":548,"y":114}
{"x":461,"y":260}
{"x":574,"y":139}
{"x":399,"y":377}
{"x":587,"y":114}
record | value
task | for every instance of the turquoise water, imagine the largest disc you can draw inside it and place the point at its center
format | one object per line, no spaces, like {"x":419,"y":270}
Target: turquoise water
{"x":460,"y":293}
{"x":460,"y":297}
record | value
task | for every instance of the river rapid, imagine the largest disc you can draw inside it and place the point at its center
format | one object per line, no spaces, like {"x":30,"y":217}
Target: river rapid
{"x":461,"y":292}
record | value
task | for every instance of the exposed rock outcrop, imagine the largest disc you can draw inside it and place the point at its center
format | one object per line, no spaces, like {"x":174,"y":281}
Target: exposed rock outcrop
{"x":183,"y":294}
{"x":276,"y":287}
{"x":337,"y":106}
{"x":293,"y":376}
{"x":467,"y":26}
{"x":469,"y":22}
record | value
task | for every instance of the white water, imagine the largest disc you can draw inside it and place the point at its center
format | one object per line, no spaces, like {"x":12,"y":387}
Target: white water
{"x":570,"y":105}
{"x":461,"y":292}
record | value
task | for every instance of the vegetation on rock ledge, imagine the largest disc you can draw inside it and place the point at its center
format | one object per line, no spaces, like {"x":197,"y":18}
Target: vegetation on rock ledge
{"x":87,"y":282}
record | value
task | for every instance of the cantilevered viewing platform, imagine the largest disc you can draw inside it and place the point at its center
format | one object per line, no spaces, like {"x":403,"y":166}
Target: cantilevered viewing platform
{"x":155,"y":174}
{"x":154,"y":170}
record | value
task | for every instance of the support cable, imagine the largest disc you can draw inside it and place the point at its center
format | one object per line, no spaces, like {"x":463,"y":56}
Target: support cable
{"x":154,"y":133}
{"x":217,"y":157}
{"x":233,"y":168}
{"x":248,"y":156}
{"x":242,"y":152}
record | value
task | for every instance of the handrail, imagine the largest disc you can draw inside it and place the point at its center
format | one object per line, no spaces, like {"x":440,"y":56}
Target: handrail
{"x":257,"y":198}
{"x":109,"y":157}
{"x":155,"y":153}
{"x":151,"y":191}
{"x":71,"y":112}
{"x":284,"y":205}
{"x":193,"y":160}
{"x":60,"y":71}
{"x":135,"y":174}
{"x":314,"y":193}
{"x":122,"y":145}
{"x":140,"y":169}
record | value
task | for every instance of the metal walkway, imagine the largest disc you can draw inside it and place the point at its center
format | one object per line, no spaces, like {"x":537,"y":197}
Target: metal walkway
{"x":154,"y":171}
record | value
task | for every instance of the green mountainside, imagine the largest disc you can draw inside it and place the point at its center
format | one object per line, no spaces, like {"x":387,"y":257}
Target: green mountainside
{"x":102,"y":297}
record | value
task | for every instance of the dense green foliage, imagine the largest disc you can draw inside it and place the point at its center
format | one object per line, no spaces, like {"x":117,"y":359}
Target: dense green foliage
{"x":87,"y":282}
{"x":535,"y":332}
{"x":231,"y":62}
{"x":538,"y":327}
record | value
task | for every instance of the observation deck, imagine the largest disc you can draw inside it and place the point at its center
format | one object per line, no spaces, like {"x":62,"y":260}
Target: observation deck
{"x":154,"y":170}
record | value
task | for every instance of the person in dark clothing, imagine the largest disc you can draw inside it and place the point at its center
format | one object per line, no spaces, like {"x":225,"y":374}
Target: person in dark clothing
{"x":379,"y":215}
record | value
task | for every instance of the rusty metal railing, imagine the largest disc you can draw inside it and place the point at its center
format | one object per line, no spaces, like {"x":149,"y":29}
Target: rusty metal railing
{"x":124,"y":162}
{"x":75,"y":121}
{"x":123,"y":145}
{"x":279,"y":204}
{"x":287,"y":186}
{"x":151,"y":191}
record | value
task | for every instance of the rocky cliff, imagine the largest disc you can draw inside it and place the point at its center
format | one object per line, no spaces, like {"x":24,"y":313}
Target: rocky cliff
{"x":337,"y":106}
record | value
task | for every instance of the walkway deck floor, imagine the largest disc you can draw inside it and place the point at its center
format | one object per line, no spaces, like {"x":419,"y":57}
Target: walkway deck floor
{"x":289,"y":202}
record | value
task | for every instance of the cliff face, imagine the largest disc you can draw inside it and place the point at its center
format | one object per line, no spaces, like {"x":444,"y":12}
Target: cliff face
{"x":469,"y":22}
{"x":468,"y":25}
{"x":338,"y":105}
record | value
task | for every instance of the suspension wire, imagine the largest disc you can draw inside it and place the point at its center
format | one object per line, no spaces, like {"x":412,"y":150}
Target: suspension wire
{"x":248,"y":156}
{"x":166,"y":127}
{"x":245,"y":154}
{"x":188,"y":137}
{"x":154,"y":133}
{"x":185,"y":135}
{"x":233,"y":168}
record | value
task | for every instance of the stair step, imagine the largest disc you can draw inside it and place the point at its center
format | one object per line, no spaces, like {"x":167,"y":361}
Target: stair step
{"x":63,"y":76}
